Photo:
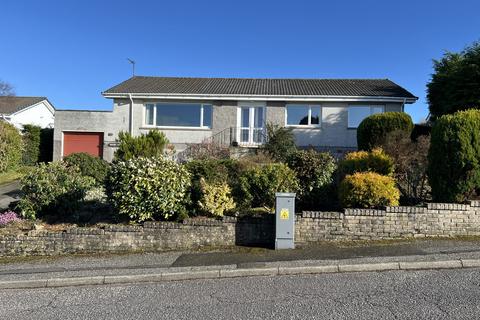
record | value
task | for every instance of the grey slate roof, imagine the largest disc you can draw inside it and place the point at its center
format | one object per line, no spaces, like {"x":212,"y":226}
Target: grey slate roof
{"x":274,"y":87}
{"x":12,"y":104}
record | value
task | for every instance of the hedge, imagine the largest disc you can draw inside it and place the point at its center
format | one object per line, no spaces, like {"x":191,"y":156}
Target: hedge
{"x":31,"y":140}
{"x":454,"y":157}
{"x":373,"y":130}
{"x":11,"y":146}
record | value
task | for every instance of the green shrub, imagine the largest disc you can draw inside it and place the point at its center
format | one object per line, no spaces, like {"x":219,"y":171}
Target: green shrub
{"x":259,"y":184}
{"x":147,"y":145}
{"x":454,"y":157}
{"x":373,"y":130}
{"x":315,"y":170}
{"x":368,"y":190}
{"x":11,"y":147}
{"x":31,"y":142}
{"x":148,"y":188}
{"x":216,"y":198}
{"x":280,"y":142}
{"x":362,"y":161}
{"x":53,"y":189}
{"x":89,"y":166}
{"x":46,"y":145}
{"x":214,"y":171}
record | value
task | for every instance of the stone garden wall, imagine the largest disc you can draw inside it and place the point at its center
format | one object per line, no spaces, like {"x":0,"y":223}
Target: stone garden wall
{"x":434,"y":220}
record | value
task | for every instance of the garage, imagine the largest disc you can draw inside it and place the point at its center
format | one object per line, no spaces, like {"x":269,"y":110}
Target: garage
{"x":88,"y":142}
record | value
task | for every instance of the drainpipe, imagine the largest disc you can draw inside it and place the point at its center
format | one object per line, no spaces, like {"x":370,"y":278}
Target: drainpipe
{"x":403,"y":106}
{"x":131,"y":113}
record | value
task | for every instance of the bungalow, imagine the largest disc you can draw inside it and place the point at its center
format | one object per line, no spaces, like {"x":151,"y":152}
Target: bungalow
{"x":20,"y":111}
{"x":323,"y":113}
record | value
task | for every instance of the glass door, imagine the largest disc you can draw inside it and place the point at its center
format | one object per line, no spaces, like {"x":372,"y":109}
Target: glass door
{"x":251,"y":129}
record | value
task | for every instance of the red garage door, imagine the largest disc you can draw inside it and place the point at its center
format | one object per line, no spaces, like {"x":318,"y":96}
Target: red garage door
{"x":89,"y":142}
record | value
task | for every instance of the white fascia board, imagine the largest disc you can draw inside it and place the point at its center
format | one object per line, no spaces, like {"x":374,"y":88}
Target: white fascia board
{"x":259,"y":97}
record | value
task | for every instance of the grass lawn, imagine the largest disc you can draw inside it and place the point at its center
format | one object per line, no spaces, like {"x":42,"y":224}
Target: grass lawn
{"x":9,"y":176}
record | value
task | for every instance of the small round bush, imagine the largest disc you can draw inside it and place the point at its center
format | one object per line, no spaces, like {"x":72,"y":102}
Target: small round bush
{"x":11,"y":147}
{"x":363,"y":161}
{"x":53,"y":189}
{"x":259,"y":184}
{"x":216,"y":198}
{"x":89,"y":166}
{"x":454,"y":157}
{"x":373,"y":130}
{"x":368,"y":190}
{"x":315,"y":170}
{"x":148,"y":188}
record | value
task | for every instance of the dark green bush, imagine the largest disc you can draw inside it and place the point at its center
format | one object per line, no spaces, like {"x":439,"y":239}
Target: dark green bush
{"x":454,"y":157}
{"x":362,"y":161}
{"x":259,"y":184}
{"x":89,"y":166}
{"x":147,"y":145}
{"x":31,"y":142}
{"x":148,"y":188}
{"x":11,"y":146}
{"x":280,"y":142}
{"x":373,"y":130}
{"x":53,"y":189}
{"x":315,"y":170}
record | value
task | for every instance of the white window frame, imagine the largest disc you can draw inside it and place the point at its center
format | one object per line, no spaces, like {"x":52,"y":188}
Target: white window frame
{"x":155,"y":104}
{"x":363,"y":106}
{"x":309,"y":125}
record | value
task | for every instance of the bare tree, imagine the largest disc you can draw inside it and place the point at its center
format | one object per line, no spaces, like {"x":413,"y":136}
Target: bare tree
{"x":6,"y":89}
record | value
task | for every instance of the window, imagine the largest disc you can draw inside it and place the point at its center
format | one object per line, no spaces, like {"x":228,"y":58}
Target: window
{"x":357,"y":113}
{"x":149,"y":113}
{"x":303,"y":115}
{"x":178,"y":115}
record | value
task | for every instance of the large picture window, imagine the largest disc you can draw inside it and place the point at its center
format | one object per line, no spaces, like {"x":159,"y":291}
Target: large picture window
{"x":303,"y":115}
{"x":356,"y":114}
{"x":195,"y":115}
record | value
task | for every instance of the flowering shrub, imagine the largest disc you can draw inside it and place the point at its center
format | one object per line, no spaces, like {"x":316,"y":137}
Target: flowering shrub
{"x":7,"y":217}
{"x":216,"y":198}
{"x":368,"y":190}
{"x":148,"y":188}
{"x":53,"y":189}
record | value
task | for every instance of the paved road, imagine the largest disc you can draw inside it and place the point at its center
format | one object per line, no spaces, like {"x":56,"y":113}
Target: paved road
{"x":446,"y":294}
{"x":9,"y":192}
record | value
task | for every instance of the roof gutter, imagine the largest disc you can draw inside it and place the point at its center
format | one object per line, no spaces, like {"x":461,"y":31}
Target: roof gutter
{"x":259,"y":97}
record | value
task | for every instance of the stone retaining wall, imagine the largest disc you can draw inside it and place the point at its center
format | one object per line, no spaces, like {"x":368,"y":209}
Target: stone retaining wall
{"x":435,"y":220}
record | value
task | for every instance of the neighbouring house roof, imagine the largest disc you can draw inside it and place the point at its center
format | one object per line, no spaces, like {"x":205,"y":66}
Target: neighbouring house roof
{"x":260,"y":87}
{"x":12,"y":104}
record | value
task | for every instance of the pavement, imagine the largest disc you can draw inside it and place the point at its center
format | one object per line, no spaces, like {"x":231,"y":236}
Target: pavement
{"x":9,"y":192}
{"x":76,"y":270}
{"x":431,"y":294}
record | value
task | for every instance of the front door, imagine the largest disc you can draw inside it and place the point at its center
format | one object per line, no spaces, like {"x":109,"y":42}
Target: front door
{"x":251,"y":127}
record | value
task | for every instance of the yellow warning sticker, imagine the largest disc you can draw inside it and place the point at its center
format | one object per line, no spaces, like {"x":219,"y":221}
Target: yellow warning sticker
{"x":284,"y":214}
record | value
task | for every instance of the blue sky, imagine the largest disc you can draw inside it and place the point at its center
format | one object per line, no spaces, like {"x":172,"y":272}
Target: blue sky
{"x":70,"y":51}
